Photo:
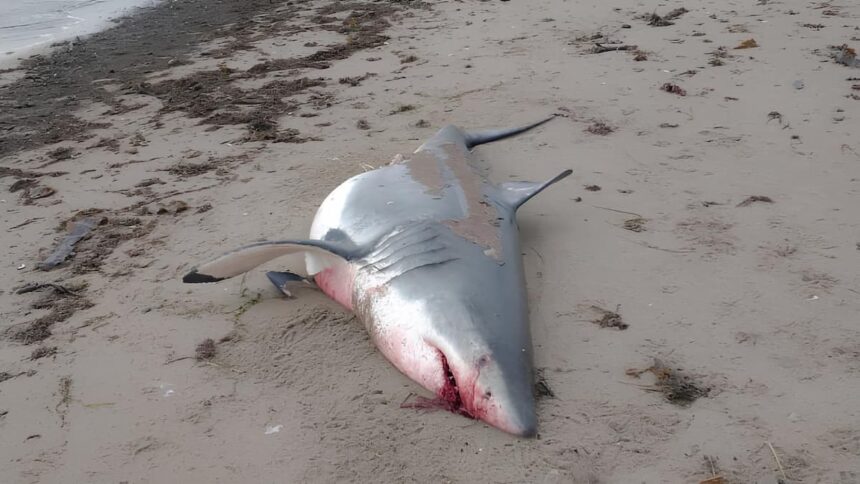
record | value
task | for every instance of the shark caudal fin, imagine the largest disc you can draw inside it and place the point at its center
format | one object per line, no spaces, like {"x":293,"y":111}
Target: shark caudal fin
{"x":517,"y":193}
{"x":476,"y":138}
{"x":243,"y":259}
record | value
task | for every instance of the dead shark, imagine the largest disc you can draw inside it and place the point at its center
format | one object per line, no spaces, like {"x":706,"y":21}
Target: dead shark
{"x":425,"y":251}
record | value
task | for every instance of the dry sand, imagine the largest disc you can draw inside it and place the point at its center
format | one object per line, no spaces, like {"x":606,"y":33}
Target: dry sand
{"x":751,"y":307}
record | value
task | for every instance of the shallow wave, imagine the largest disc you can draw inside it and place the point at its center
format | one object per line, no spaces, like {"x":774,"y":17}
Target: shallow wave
{"x":27,"y":24}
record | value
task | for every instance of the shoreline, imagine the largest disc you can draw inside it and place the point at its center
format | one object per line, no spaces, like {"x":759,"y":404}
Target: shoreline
{"x":691,"y":288}
{"x":153,"y":40}
{"x":93,"y":22}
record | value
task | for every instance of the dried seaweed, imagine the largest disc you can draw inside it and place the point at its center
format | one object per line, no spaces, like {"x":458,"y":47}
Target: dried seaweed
{"x":205,"y":350}
{"x":675,"y":385}
{"x":673,"y":88}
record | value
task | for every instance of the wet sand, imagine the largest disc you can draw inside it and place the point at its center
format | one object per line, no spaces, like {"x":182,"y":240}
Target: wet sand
{"x":693,"y":286}
{"x":29,"y":27}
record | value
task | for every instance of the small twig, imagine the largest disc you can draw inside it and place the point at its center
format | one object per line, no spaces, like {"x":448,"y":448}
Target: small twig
{"x":599,"y":48}
{"x":674,"y":251}
{"x":178,"y":359}
{"x":26,"y":222}
{"x":158,"y":199}
{"x":618,"y":211}
{"x":7,"y":376}
{"x":755,"y":198}
{"x":172,"y":194}
{"x":37,"y":286}
{"x":411,"y":394}
{"x":471,"y":91}
{"x":651,"y":246}
{"x":131,"y":162}
{"x":537,"y":253}
{"x":711,"y":464}
{"x":778,"y":463}
{"x":650,"y":388}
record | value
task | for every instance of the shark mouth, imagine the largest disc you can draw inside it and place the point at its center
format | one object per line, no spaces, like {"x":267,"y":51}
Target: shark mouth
{"x":448,"y":397}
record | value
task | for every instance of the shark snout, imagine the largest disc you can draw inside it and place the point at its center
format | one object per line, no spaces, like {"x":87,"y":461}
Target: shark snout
{"x":503,"y":399}
{"x":512,"y":411}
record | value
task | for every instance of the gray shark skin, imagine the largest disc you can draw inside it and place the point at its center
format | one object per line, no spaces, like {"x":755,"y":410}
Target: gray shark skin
{"x":425,"y":251}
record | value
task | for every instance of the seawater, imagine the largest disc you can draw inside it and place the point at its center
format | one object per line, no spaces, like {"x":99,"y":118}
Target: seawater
{"x":27,"y":26}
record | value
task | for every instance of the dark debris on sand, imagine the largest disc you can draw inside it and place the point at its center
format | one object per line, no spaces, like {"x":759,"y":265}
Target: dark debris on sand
{"x":184,"y":169}
{"x":110,"y":144}
{"x":43,"y":352}
{"x":609,"y":319}
{"x":61,"y":306}
{"x":63,"y":81}
{"x":265,"y":129}
{"x":655,"y":20}
{"x":114,"y":228}
{"x":402,"y":108}
{"x":600,"y":128}
{"x":542,"y":388}
{"x":205,"y":350}
{"x":755,"y":198}
{"x":676,"y":386}
{"x":211,"y":94}
{"x":220,"y":165}
{"x":355,"y":80}
{"x":636,"y":224}
{"x":58,"y":83}
{"x":673,"y":89}
{"x":19,"y":173}
{"x":60,"y":154}
{"x":845,"y":55}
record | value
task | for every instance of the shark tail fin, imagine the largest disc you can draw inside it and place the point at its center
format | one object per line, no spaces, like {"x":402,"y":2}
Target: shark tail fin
{"x":476,"y":138}
{"x":518,"y":193}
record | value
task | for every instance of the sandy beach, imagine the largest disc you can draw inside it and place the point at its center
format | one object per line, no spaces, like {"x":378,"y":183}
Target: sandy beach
{"x":694,"y":286}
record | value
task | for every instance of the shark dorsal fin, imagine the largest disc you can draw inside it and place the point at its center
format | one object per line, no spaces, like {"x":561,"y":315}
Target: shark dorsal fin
{"x":517,"y":193}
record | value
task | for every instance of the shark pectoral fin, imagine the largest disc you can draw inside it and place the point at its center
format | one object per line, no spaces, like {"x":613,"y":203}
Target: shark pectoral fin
{"x":518,"y":193}
{"x":245,"y":258}
{"x":475,"y":138}
{"x":281,"y":279}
